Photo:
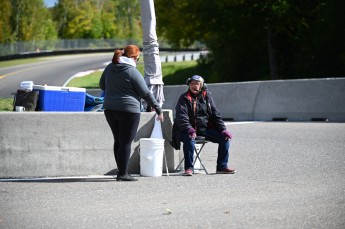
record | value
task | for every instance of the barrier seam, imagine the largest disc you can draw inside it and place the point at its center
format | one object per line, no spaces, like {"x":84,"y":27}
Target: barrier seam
{"x":255,"y":101}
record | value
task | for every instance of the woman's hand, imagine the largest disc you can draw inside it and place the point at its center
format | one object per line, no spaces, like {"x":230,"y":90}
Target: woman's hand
{"x":160,"y":117}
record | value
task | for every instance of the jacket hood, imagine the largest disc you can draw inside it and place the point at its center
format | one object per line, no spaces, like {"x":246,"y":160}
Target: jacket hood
{"x":119,"y":67}
{"x":126,"y":60}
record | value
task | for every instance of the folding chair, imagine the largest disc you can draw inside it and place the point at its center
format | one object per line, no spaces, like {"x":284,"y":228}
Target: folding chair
{"x":198,"y":141}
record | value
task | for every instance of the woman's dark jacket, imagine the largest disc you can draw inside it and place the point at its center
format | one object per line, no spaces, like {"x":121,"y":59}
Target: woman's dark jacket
{"x":198,"y":112}
{"x":124,"y":86}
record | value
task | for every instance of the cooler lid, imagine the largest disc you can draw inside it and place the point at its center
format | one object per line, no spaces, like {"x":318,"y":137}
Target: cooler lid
{"x":56,"y":88}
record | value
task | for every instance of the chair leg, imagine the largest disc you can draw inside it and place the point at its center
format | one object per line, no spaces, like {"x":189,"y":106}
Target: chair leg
{"x":178,"y":167}
{"x":197,"y":157}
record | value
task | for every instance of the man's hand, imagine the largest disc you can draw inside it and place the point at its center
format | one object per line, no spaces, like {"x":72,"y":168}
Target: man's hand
{"x":191,"y":133}
{"x":226,"y":134}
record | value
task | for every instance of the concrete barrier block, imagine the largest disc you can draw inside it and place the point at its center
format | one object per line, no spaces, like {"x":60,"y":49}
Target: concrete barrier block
{"x":40,"y":144}
{"x":53,"y":144}
{"x":294,"y":100}
{"x":235,"y":101}
{"x":172,"y":94}
{"x":94,"y":92}
{"x":301,"y":100}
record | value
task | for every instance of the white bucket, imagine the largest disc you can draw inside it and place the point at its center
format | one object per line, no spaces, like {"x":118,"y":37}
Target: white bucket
{"x":151,"y":156}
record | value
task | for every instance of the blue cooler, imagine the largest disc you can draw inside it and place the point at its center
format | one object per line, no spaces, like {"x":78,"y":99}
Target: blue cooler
{"x":53,"y":98}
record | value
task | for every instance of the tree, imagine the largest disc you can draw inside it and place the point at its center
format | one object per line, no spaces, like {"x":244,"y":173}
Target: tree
{"x":5,"y":27}
{"x":75,"y":18}
{"x":252,"y":40}
{"x":98,"y":19}
{"x":128,"y":20}
{"x":30,"y":21}
{"x":107,"y":17}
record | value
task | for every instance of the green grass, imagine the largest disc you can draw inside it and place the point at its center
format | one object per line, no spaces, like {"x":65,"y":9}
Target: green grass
{"x":174,"y":73}
{"x":177,"y":73}
{"x":6,"y":104}
{"x":88,"y":81}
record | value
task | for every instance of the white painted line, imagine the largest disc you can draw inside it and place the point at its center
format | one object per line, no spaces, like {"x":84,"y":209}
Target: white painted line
{"x":58,"y":178}
{"x":240,"y":123}
{"x":81,"y":74}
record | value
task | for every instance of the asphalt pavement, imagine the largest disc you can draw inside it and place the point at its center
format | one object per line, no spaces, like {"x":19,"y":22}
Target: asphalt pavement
{"x":57,"y":70}
{"x":289,"y":175}
{"x":53,"y":71}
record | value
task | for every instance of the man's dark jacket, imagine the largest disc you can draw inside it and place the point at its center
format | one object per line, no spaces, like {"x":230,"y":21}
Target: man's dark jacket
{"x":198,"y":112}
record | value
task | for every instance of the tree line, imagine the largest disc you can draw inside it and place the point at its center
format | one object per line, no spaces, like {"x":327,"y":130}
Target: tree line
{"x":247,"y":39}
{"x":260,"y":39}
{"x":28,"y":20}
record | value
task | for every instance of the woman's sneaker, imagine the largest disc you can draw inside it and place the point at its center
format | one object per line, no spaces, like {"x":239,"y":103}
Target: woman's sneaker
{"x":125,"y":177}
{"x":226,"y":171}
{"x":188,"y":172}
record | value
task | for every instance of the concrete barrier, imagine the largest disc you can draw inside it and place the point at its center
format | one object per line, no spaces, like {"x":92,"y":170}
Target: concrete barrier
{"x":237,"y":100}
{"x":292,"y":100}
{"x":301,"y":100}
{"x":40,"y":144}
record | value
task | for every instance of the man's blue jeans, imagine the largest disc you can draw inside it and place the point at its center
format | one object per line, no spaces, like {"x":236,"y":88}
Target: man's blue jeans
{"x":212,"y":135}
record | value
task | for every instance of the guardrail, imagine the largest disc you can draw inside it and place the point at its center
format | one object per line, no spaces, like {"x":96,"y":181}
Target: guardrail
{"x":175,"y":56}
{"x":53,"y":47}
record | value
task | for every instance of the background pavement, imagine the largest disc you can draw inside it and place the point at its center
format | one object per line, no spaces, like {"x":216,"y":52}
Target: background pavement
{"x":53,"y":71}
{"x":290,"y":175}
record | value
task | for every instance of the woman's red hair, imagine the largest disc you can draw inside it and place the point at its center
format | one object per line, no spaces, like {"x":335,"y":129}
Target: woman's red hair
{"x":129,"y":51}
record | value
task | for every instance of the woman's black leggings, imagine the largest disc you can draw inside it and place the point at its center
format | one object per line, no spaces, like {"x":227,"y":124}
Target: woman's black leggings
{"x":124,"y":126}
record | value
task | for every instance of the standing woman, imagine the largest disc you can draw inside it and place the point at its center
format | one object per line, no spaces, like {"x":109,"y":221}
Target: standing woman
{"x":124,"y":87}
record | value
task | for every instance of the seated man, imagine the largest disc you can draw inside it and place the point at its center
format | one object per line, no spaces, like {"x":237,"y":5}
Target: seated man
{"x":196,"y":115}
